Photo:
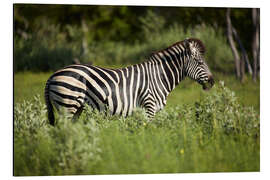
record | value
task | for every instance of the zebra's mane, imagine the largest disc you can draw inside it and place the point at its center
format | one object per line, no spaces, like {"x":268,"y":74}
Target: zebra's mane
{"x":198,"y":44}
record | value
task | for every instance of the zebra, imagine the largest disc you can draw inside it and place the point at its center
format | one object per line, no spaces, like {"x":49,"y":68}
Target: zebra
{"x":145,"y":85}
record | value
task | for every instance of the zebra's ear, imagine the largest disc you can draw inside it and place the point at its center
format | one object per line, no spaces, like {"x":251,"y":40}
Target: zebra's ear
{"x":194,"y":46}
{"x":197,"y":45}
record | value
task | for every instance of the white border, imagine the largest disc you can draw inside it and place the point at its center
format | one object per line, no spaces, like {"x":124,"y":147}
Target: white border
{"x":6,"y":94}
{"x":195,"y":3}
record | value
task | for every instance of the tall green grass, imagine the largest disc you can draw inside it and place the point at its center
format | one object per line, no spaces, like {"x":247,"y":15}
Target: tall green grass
{"x":215,"y":134}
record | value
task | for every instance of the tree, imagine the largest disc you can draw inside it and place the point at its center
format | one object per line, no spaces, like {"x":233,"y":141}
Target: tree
{"x":256,"y":42}
{"x":232,"y":44}
{"x":242,"y":60}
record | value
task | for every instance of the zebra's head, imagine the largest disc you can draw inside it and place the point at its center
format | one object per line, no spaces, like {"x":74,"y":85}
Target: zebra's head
{"x":195,"y":65}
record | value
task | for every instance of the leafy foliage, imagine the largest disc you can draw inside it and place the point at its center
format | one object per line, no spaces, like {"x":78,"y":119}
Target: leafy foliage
{"x":48,"y":37}
{"x":215,"y":134}
{"x":124,"y":22}
{"x":40,"y":149}
{"x":44,"y":55}
{"x":224,"y":111}
{"x":47,"y":49}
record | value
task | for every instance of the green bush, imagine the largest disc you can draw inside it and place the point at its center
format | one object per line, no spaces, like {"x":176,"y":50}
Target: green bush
{"x":216,"y":134}
{"x":40,"y":149}
{"x":223,"y":110}
{"x":35,"y":56}
{"x":51,"y":48}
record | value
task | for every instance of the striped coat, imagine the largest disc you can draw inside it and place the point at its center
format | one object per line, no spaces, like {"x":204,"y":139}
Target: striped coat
{"x":145,"y":85}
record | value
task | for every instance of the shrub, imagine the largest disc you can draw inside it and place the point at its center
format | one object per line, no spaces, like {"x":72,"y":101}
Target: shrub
{"x":221,"y":110}
{"x":40,"y":149}
{"x":34,"y":55}
{"x":215,"y":134}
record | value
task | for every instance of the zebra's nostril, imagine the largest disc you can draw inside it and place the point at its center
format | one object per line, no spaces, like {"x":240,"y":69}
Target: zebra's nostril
{"x":211,"y":80}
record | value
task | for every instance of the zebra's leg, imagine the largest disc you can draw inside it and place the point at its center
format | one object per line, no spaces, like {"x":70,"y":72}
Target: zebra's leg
{"x":56,"y":115}
{"x":79,"y":110}
{"x":150,"y":114}
{"x":77,"y":114}
{"x":149,"y":105}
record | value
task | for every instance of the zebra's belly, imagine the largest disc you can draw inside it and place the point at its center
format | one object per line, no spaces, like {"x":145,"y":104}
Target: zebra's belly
{"x":113,"y":105}
{"x":70,"y":100}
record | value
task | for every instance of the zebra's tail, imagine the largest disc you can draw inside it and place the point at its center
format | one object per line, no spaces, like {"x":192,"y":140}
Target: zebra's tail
{"x":49,"y":104}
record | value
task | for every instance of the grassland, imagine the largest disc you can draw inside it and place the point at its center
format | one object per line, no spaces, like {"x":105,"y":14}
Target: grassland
{"x":215,"y":131}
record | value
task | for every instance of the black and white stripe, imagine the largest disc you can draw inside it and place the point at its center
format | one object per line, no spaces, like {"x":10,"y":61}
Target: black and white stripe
{"x":145,"y":85}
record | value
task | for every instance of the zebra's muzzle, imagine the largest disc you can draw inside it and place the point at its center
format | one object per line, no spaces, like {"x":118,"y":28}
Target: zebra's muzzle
{"x":208,"y":84}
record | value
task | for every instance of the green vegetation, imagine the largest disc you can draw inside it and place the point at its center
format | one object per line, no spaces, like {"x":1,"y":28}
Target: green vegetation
{"x":121,"y":23}
{"x":214,"y":134}
{"x":44,"y":54}
{"x":28,"y":84}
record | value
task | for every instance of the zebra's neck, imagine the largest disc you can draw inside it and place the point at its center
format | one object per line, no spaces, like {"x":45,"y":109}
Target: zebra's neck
{"x":170,"y":67}
{"x":166,"y":71}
